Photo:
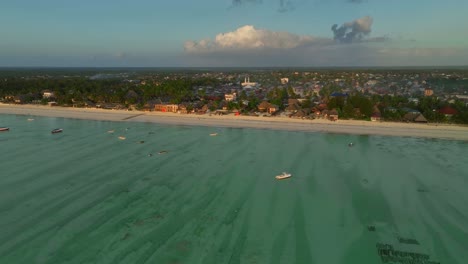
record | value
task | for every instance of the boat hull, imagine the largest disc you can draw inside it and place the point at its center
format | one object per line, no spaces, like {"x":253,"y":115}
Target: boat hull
{"x":283,"y":176}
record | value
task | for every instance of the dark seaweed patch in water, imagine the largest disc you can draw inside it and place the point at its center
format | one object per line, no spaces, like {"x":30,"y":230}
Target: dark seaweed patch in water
{"x":371,"y":228}
{"x":388,"y":254}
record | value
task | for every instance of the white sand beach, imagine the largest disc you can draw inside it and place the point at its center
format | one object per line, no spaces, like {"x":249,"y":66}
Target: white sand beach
{"x":454,"y":132}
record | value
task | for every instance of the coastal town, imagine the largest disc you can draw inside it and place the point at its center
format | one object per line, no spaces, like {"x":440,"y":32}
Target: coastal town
{"x":398,"y":95}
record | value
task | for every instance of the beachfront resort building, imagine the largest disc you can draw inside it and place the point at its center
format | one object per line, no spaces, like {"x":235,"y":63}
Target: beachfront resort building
{"x":265,"y":106}
{"x":170,"y":108}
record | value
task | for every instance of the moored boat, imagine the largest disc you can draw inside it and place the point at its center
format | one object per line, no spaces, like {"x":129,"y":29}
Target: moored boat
{"x":4,"y":128}
{"x":283,"y":175}
{"x":57,"y":130}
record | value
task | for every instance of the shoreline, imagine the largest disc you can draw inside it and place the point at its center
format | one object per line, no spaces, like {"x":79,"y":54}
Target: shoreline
{"x":356,"y":127}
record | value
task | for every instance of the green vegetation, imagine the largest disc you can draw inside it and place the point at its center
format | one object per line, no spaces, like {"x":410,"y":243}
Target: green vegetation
{"x":354,"y":93}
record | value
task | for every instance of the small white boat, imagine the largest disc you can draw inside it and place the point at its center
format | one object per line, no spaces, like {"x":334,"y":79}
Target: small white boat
{"x":4,"y":128}
{"x":30,"y":119}
{"x":213,"y":134}
{"x":122,"y":138}
{"x":57,"y":130}
{"x":283,"y":175}
{"x":110,"y":131}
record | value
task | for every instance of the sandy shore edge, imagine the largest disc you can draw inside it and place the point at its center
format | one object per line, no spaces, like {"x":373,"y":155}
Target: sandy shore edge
{"x":453,"y":132}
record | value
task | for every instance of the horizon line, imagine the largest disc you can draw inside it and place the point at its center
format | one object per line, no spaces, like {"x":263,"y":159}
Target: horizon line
{"x":230,"y":67}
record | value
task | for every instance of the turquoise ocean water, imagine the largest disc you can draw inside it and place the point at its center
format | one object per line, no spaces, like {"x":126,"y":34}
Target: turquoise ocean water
{"x":86,"y":196}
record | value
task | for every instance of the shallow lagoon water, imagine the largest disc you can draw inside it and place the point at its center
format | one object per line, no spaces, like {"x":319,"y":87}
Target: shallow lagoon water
{"x":86,"y":196}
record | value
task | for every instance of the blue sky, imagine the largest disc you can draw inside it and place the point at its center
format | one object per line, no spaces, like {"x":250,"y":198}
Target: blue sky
{"x":233,"y":33}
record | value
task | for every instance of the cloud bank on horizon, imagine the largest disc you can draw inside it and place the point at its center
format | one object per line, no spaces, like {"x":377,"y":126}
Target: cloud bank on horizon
{"x":250,"y":38}
{"x":248,"y":45}
{"x":350,"y":45}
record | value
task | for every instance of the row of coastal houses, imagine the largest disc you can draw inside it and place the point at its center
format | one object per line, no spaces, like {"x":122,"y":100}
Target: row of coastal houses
{"x":293,"y":110}
{"x":186,"y":108}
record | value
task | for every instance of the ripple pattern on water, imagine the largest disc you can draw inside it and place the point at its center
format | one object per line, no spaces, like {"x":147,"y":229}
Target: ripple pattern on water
{"x":84,"y":196}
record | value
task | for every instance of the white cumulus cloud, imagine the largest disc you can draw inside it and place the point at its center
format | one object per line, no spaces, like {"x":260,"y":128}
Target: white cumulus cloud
{"x":250,"y":38}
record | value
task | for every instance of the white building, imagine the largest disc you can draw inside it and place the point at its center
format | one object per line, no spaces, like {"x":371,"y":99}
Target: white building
{"x":230,"y":97}
{"x":284,"y":80}
{"x":47,"y":94}
{"x":247,"y":83}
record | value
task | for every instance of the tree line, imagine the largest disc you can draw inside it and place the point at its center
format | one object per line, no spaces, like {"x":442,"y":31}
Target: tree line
{"x":78,"y":91}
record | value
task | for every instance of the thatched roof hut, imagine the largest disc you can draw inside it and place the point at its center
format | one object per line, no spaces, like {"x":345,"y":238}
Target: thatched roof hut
{"x":263,"y":106}
{"x":292,"y":108}
{"x":333,"y":115}
{"x":420,"y":119}
{"x":415,"y":117}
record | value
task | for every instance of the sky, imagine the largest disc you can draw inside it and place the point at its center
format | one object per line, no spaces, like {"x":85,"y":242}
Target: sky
{"x":233,"y":33}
